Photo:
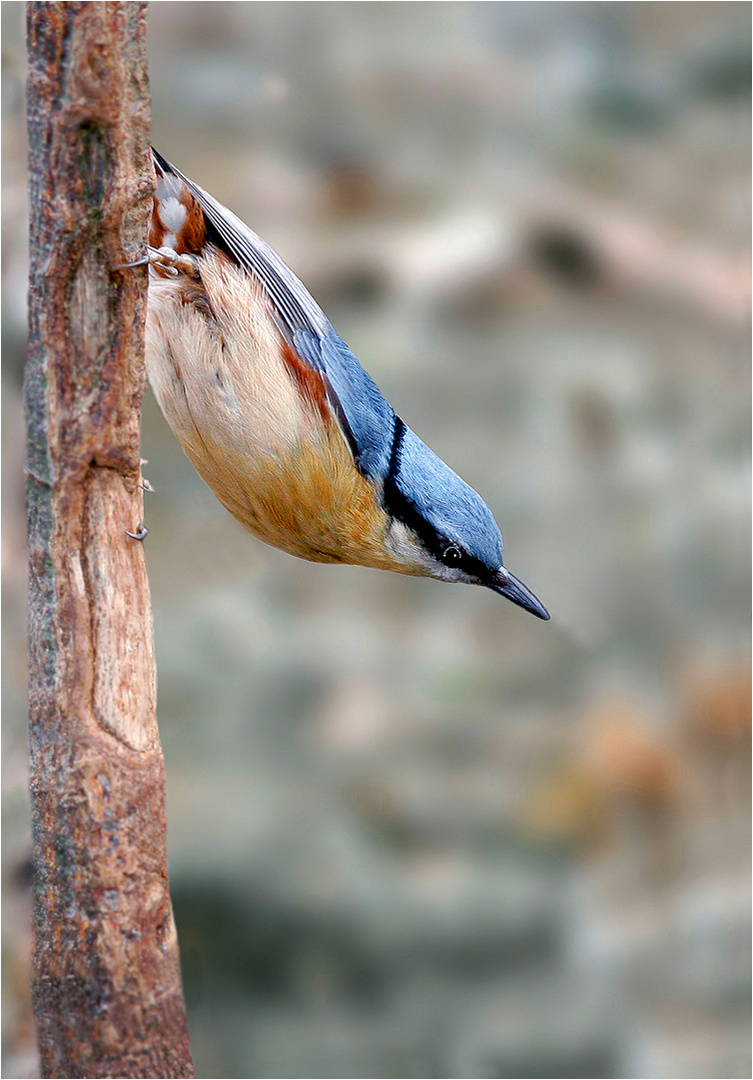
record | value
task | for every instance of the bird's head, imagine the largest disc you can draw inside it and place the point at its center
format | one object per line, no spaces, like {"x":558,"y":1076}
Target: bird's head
{"x":442,"y":528}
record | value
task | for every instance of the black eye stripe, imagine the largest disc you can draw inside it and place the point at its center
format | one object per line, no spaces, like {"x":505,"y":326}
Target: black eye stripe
{"x":399,"y":506}
{"x":398,"y":434}
{"x":454,"y":556}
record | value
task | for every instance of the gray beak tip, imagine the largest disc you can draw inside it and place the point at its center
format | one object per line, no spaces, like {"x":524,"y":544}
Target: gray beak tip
{"x":507,"y":585}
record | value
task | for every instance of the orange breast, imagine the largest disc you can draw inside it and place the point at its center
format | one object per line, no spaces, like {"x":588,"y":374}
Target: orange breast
{"x":254,"y":419}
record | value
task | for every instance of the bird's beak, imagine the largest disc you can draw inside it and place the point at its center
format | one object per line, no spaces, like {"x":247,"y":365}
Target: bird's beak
{"x":506,"y":584}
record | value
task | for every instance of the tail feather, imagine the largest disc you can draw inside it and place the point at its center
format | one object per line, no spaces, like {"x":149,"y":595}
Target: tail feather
{"x":177,"y":219}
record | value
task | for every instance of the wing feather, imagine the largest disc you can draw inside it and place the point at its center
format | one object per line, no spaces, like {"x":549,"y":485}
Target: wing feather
{"x":367,"y":419}
{"x":296,"y":306}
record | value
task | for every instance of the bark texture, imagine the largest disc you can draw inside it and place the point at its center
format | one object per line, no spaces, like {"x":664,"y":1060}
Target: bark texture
{"x":107,"y":988}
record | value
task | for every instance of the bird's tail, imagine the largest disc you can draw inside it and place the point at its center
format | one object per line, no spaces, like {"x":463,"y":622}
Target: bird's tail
{"x":177,"y":219}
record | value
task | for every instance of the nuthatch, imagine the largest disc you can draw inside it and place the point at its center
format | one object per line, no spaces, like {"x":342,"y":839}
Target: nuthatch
{"x":280,"y":419}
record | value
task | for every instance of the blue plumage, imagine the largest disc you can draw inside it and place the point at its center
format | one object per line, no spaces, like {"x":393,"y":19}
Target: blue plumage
{"x":367,"y":418}
{"x":434,"y":491}
{"x":452,"y":507}
{"x":450,"y":522}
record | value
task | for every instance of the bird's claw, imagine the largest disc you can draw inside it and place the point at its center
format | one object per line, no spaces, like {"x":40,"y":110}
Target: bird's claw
{"x":141,"y":532}
{"x":143,"y":261}
{"x":165,"y":260}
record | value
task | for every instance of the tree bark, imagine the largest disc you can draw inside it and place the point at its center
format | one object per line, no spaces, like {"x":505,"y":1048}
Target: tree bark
{"x":107,"y":988}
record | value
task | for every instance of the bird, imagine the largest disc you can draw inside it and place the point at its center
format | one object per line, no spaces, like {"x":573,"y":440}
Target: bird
{"x":281,"y":421}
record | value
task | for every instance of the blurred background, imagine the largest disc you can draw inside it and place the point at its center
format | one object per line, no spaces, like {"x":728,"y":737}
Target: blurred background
{"x":413,"y":831}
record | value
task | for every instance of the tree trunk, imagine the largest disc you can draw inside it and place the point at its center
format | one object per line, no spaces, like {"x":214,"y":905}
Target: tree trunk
{"x":107,"y":989}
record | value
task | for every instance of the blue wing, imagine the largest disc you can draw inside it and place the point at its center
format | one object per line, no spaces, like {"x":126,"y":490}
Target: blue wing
{"x":367,"y":419}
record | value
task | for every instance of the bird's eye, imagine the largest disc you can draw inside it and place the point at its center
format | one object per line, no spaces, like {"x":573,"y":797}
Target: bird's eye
{"x":452,"y":555}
